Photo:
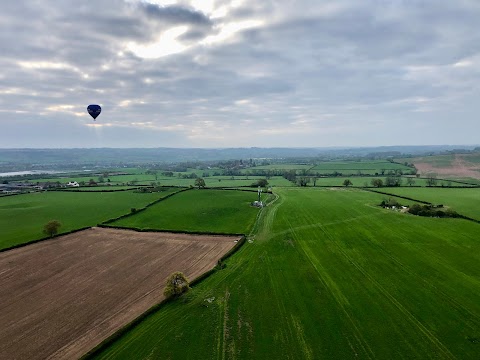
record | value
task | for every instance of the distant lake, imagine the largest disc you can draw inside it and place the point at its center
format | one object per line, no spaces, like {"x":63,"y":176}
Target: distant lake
{"x":37,"y":172}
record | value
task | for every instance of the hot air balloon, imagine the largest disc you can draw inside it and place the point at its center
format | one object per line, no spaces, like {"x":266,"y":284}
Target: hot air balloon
{"x":94,"y":110}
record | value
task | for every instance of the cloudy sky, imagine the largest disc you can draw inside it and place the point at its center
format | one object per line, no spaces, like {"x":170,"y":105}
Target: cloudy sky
{"x":239,"y":73}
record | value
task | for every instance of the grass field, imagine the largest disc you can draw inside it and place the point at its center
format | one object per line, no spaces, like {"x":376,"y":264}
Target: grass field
{"x":217,"y":211}
{"x":435,"y":161}
{"x":444,"y":160}
{"x":330,"y":275}
{"x":365,"y":181}
{"x":114,"y":179}
{"x":280,"y":167}
{"x":352,"y":167}
{"x":22,"y":217}
{"x":101,"y":188}
{"x":464,"y":201}
{"x":226,"y":181}
{"x":469,"y":180}
{"x":142,"y":179}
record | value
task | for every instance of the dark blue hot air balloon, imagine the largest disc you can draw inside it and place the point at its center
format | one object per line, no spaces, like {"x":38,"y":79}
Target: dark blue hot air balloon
{"x":94,"y":110}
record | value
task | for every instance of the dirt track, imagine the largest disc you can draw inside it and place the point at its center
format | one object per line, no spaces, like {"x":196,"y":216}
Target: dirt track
{"x":61,"y":297}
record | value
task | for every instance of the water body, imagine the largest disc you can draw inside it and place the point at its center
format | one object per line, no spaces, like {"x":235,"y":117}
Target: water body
{"x":36,"y":172}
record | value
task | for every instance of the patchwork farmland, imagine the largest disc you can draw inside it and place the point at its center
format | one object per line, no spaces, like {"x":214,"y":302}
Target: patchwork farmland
{"x":61,"y":297}
{"x":23,"y":216}
{"x":325,"y":271}
{"x":329,"y":275}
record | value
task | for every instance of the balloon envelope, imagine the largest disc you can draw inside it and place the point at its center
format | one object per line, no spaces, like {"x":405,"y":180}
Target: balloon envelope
{"x":94,"y":110}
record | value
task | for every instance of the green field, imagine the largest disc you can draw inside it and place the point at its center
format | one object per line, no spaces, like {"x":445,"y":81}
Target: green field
{"x":281,"y":167}
{"x":22,"y":217}
{"x":435,"y":161}
{"x":469,"y":180}
{"x":444,"y":161}
{"x":114,"y":179}
{"x":227,"y":181}
{"x":363,"y":166}
{"x":101,"y":188}
{"x":365,"y":181}
{"x":472,"y":158}
{"x":217,"y":211}
{"x":141,"y":179}
{"x":463,"y":201}
{"x":330,"y":275}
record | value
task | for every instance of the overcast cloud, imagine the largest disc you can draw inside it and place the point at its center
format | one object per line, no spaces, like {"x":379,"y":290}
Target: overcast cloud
{"x":239,"y":73}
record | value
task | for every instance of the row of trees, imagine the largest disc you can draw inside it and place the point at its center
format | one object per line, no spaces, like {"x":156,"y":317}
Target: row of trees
{"x":389,"y":181}
{"x":432,"y":211}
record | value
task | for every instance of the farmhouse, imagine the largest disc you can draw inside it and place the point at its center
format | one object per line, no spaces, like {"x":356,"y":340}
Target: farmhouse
{"x":73,"y":184}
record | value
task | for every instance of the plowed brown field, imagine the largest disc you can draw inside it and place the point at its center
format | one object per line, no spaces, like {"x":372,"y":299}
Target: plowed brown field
{"x":62,"y":297}
{"x":459,"y":168}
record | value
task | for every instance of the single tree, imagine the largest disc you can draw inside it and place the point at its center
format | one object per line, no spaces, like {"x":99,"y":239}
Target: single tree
{"x":200,"y":183}
{"x":347,"y":183}
{"x":261,"y":183}
{"x":51,"y":228}
{"x":432,"y":180}
{"x":176,"y":285}
{"x":303,"y":181}
{"x":377,"y":182}
{"x":410,"y":181}
{"x":392,"y":180}
{"x":152,"y":172}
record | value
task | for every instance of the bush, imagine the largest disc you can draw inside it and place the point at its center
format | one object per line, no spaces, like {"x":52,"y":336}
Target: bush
{"x":390,"y":202}
{"x":377,"y":183}
{"x":260,"y":182}
{"x":431,"y":211}
{"x":177,"y":284}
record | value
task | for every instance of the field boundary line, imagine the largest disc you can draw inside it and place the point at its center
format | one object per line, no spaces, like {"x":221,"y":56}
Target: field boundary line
{"x":46,"y":238}
{"x":107,"y":226}
{"x":143,"y":208}
{"x":399,"y":196}
{"x":98,"y":225}
{"x":459,"y":216}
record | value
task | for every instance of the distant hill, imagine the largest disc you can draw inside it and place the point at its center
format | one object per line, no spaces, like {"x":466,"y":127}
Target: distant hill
{"x":21,"y":159}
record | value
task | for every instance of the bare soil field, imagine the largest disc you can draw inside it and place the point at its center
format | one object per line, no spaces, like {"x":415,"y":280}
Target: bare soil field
{"x":62,"y":297}
{"x":459,"y":168}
